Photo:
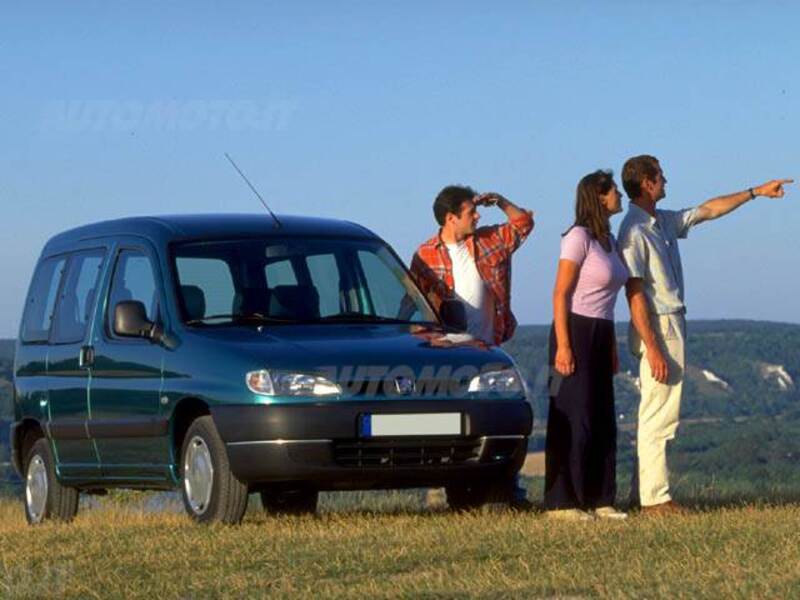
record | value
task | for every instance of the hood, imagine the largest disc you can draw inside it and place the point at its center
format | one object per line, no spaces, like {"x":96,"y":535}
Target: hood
{"x":341,"y":347}
{"x":307,"y":346}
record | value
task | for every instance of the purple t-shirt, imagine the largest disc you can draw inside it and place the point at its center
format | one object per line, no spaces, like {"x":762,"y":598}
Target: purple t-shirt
{"x":601,"y":274}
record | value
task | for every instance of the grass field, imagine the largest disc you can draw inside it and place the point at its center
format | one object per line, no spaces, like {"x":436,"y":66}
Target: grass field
{"x":742,"y":539}
{"x":389,"y":545}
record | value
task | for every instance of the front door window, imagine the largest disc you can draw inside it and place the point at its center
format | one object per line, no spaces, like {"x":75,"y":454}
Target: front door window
{"x":133,"y":280}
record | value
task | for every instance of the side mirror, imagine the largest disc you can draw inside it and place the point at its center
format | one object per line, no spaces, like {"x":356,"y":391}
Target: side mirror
{"x":453,"y":314}
{"x":130,"y":320}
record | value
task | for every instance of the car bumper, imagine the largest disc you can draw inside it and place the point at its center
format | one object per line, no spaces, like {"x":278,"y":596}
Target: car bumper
{"x":319,"y":444}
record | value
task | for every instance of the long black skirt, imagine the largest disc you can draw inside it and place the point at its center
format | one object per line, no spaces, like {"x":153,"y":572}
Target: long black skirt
{"x":581,"y":446}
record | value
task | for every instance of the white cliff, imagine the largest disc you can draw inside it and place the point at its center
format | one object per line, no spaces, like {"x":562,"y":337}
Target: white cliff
{"x":777,"y":374}
{"x":711,"y":377}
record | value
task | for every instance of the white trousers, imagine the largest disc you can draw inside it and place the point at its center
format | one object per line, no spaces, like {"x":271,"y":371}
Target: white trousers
{"x":659,"y":407}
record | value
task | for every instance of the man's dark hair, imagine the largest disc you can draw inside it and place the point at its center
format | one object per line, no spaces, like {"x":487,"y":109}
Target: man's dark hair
{"x":635,"y":171}
{"x":450,"y":200}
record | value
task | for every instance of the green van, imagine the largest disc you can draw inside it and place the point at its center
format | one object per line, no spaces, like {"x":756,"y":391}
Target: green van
{"x":225,"y":355}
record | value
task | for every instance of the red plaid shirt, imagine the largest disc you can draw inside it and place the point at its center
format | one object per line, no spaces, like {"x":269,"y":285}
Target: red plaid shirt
{"x":492,"y":248}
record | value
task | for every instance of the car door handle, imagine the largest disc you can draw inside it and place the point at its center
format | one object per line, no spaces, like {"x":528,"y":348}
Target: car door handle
{"x":86,"y":357}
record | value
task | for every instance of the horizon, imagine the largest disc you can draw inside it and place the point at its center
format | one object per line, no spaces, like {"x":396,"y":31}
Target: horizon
{"x":616,"y":323}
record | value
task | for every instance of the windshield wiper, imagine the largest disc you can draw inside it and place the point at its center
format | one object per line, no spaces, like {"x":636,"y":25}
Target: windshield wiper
{"x":356,"y":317}
{"x":239,"y":318}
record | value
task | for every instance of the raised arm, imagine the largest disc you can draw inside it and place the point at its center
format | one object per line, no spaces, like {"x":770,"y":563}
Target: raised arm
{"x":640,"y":316}
{"x":721,"y":206}
{"x":566,"y":278}
{"x":520,"y":221}
{"x":494,"y":199}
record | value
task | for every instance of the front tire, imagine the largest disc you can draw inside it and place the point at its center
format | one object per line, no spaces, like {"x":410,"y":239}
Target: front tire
{"x":211,"y":492}
{"x":45,"y":498}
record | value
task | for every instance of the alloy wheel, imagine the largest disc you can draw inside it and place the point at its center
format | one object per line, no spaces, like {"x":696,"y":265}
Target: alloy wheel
{"x":198,"y":475}
{"x":36,"y":488}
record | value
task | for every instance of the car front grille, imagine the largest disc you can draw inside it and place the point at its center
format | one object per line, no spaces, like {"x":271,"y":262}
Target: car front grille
{"x":422,"y":388}
{"x":393,"y":453}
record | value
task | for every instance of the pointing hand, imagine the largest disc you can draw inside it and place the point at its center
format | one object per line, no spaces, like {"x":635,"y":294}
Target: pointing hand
{"x":772,"y":189}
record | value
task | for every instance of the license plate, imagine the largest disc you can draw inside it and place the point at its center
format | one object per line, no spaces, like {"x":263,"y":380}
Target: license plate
{"x":410,"y":424}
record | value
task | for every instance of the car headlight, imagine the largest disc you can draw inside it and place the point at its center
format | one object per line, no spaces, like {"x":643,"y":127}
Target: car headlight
{"x":505,"y":380}
{"x":271,"y":383}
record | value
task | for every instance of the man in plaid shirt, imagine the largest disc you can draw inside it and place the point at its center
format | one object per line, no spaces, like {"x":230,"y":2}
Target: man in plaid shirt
{"x":473,"y":264}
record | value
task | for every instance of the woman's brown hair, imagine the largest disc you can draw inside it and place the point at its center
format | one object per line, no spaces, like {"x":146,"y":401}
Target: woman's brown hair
{"x":589,"y":211}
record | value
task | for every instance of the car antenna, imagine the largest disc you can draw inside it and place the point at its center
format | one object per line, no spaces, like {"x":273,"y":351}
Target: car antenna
{"x":255,"y":191}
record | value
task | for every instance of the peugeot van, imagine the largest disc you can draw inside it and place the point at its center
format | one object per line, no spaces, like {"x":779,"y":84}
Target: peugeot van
{"x":226,"y":355}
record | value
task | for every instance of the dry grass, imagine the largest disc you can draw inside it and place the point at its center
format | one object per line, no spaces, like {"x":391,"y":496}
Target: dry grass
{"x":387,"y":545}
{"x":534,"y":465}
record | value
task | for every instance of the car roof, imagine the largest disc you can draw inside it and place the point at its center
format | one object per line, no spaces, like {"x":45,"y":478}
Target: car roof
{"x":169,"y":228}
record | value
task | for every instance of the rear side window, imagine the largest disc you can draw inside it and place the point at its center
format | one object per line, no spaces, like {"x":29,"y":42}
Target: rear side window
{"x":76,"y":300}
{"x":42,"y":300}
{"x":133,"y":280}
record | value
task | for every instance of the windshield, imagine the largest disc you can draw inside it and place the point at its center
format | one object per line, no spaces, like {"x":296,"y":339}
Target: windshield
{"x":295,"y":280}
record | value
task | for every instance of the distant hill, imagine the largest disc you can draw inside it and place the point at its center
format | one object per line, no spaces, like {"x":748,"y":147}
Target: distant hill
{"x":6,"y":372}
{"x":7,"y":349}
{"x":734,"y":368}
{"x":6,"y":407}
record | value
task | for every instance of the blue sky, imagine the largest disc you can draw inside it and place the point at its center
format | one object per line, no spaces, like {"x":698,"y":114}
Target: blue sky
{"x":364,"y":110}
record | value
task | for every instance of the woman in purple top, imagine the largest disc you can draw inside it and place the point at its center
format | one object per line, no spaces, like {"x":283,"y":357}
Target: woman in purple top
{"x":581,"y":446}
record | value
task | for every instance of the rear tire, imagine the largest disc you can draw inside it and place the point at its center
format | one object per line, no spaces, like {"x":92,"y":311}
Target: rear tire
{"x":45,"y":498}
{"x":289,"y":501}
{"x":211,"y":492}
